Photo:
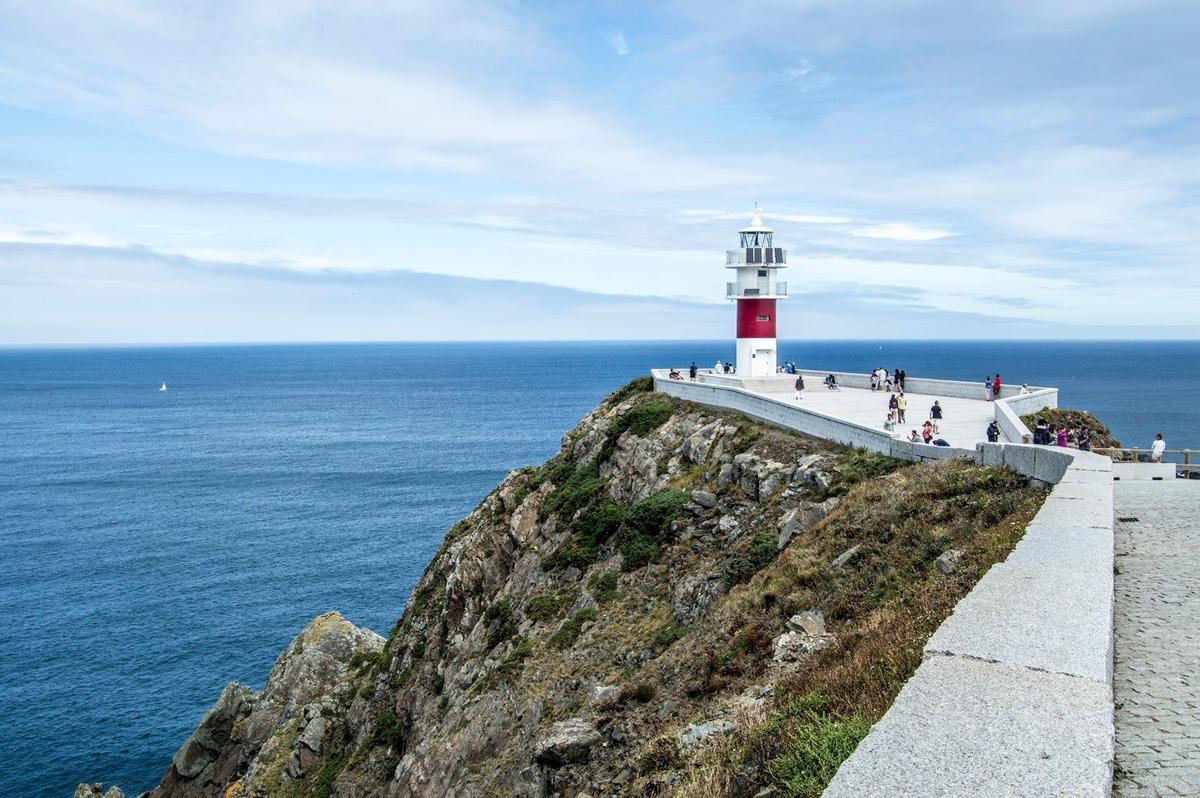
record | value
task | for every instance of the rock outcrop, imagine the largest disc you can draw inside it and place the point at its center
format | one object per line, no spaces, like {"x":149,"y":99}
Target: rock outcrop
{"x":593,"y":626}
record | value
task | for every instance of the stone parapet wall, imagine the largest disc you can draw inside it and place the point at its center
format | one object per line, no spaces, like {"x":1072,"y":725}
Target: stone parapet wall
{"x":1014,"y":696}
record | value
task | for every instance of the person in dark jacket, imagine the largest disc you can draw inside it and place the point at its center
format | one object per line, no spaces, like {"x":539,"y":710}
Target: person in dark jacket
{"x":799,"y":387}
{"x":993,"y":432}
{"x":692,"y":372}
{"x":935,"y":415}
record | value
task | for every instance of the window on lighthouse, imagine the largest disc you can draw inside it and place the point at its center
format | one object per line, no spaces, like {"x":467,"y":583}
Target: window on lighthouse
{"x":764,"y":318}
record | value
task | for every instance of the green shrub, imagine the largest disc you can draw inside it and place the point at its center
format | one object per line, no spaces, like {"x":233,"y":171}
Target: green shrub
{"x":569,"y":632}
{"x":545,"y":607}
{"x":668,"y":634}
{"x":636,"y":385}
{"x":333,"y":767}
{"x":574,"y":492}
{"x":599,"y":521}
{"x":640,"y":531}
{"x":603,"y":585}
{"x":640,"y":421}
{"x":653,"y":515}
{"x":390,"y":732}
{"x":861,"y":466}
{"x":759,"y":554}
{"x":507,"y":670}
{"x":499,"y":617}
{"x":648,"y":528}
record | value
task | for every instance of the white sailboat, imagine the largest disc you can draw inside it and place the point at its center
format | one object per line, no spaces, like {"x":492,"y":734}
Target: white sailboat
{"x":163,"y":387}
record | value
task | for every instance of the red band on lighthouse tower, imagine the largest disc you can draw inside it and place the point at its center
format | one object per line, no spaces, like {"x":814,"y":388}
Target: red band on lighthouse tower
{"x":756,"y":318}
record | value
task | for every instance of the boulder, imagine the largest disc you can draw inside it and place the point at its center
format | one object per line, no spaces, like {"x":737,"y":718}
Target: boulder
{"x":810,"y":622}
{"x":94,"y":791}
{"x":803,"y":516}
{"x":846,"y":556}
{"x":697,"y":733}
{"x":694,"y":594}
{"x":567,"y":741}
{"x":704,"y":498}
{"x":213,"y":733}
{"x":605,"y":696}
{"x":792,"y":647}
{"x":948,"y":560}
{"x":725,"y":476}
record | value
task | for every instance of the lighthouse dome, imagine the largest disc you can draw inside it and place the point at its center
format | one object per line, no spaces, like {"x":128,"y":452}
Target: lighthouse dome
{"x":756,"y":224}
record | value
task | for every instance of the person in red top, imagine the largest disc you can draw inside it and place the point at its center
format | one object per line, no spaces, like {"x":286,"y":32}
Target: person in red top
{"x":996,"y":387}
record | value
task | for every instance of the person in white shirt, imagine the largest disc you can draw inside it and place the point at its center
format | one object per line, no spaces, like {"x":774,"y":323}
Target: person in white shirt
{"x":1025,"y":390}
{"x":1157,"y":448}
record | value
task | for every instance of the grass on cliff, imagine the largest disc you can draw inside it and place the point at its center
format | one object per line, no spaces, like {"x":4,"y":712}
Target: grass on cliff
{"x":1076,"y":420}
{"x":881,"y":608}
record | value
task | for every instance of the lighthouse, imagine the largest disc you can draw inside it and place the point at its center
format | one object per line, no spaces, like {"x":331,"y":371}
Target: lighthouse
{"x":756,"y":264}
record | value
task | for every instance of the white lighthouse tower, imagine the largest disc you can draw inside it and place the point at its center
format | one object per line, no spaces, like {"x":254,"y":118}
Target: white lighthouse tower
{"x":756,"y":265}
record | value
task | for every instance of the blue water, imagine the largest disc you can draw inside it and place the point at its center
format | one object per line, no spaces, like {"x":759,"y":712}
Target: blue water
{"x":154,"y":546}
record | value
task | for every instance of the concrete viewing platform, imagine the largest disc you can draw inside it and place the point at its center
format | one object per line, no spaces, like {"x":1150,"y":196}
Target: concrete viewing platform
{"x":855,"y":415}
{"x":964,"y":421}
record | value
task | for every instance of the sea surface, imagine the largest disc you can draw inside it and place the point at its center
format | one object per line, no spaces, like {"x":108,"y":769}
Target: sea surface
{"x":156,"y":545}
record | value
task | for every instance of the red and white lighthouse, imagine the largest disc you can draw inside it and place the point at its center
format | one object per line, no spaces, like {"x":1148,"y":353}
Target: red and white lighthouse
{"x":756,"y":265}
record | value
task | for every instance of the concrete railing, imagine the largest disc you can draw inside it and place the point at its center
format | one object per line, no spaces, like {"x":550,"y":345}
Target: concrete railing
{"x":1014,"y":696}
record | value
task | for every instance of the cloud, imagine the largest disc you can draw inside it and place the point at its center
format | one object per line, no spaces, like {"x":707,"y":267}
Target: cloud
{"x":899,"y":231}
{"x":369,"y":85}
{"x":616,"y":40}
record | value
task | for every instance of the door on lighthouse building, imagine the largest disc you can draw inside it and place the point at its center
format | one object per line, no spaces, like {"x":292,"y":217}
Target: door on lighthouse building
{"x":764,"y":363}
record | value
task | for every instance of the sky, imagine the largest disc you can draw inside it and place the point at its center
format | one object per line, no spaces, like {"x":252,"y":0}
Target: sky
{"x":295,"y":170}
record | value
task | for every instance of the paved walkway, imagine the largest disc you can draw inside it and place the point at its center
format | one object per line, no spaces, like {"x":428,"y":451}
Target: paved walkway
{"x":1156,"y":681}
{"x":964,"y":425}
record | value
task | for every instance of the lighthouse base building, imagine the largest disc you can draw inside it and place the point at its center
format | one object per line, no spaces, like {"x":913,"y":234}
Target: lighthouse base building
{"x":755,"y":290}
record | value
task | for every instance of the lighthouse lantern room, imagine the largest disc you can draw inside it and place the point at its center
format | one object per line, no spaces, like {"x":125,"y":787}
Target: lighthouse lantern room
{"x":756,"y":264}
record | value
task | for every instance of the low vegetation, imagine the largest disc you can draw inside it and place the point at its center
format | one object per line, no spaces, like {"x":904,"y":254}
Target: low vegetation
{"x":1060,"y":417}
{"x":881,"y":608}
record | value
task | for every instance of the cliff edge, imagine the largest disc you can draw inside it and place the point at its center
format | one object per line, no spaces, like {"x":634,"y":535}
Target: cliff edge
{"x":682,"y":601}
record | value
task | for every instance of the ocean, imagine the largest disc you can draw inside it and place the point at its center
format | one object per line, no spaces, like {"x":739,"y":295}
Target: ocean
{"x":156,"y":545}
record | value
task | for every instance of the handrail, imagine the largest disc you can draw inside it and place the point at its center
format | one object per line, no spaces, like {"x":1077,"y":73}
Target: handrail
{"x":1132,"y":454}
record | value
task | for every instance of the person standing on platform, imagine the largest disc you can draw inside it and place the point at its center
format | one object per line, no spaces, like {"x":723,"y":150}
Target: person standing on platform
{"x":993,"y":432}
{"x":996,"y":387}
{"x":1157,"y":449}
{"x":799,"y":387}
{"x":692,"y":372}
{"x":987,"y":387}
{"x":1060,"y":437}
{"x":1085,"y":441}
{"x":935,"y":415}
{"x":901,"y":405}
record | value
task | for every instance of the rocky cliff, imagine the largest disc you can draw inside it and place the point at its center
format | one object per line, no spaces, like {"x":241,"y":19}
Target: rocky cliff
{"x":682,"y":601}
